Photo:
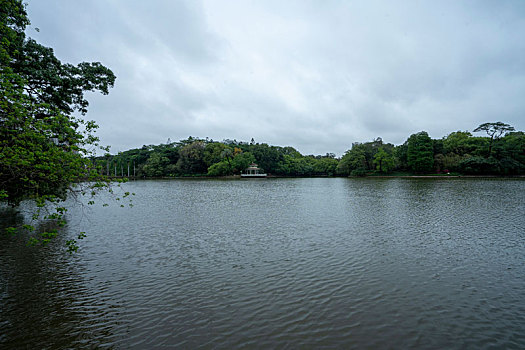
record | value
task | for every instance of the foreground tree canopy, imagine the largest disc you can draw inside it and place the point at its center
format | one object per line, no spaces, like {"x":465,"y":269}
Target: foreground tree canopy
{"x":460,"y":152}
{"x":44,"y":147}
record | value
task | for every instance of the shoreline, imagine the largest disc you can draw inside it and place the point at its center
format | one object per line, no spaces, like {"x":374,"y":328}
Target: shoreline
{"x":238,"y":177}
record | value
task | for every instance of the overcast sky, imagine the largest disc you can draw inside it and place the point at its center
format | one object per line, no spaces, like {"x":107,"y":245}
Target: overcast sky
{"x":315,"y":75}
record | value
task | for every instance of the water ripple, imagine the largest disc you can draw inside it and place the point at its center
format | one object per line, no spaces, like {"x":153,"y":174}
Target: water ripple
{"x":287,"y":263}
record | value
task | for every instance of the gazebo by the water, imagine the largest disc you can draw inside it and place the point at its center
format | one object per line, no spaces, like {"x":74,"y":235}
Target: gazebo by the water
{"x":253,"y":171}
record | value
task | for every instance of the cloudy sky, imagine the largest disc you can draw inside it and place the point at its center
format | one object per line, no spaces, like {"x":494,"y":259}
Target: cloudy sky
{"x":315,"y":75}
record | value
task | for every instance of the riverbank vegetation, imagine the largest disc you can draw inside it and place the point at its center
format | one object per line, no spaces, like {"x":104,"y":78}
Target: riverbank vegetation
{"x":501,"y":152}
{"x":46,"y":148}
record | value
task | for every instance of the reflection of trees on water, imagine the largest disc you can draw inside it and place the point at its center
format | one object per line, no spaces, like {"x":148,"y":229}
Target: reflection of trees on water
{"x":43,"y":300}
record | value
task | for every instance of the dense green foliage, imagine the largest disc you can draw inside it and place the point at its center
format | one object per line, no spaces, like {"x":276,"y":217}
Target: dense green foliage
{"x":494,"y":130}
{"x":459,"y":152}
{"x":198,"y":157}
{"x":45,"y":149}
{"x":420,"y":155}
{"x":366,"y":157}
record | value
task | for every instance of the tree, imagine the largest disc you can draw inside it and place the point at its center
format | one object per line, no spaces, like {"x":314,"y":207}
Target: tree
{"x":213,"y":153}
{"x":241,"y":161}
{"x":326,"y":165}
{"x":268,"y":157}
{"x":494,"y":130}
{"x":44,"y":148}
{"x":13,"y":21}
{"x":400,"y":156}
{"x":360,"y":158}
{"x":296,"y":165}
{"x":219,"y":169}
{"x":479,"y":166}
{"x":191,"y":159}
{"x":354,"y":159}
{"x":156,"y":165}
{"x":227,"y":154}
{"x":458,"y":142}
{"x":420,"y":155}
{"x":512,"y":146}
{"x":62,"y":86}
{"x":384,"y":161}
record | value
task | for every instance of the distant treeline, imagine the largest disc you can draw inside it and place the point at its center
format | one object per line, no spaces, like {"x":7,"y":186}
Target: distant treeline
{"x":501,"y":152}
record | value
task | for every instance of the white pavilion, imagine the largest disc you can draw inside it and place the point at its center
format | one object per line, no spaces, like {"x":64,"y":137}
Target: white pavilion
{"x":253,"y":171}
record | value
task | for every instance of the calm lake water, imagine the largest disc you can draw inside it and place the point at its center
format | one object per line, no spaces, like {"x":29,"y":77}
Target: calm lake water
{"x":278,"y":263}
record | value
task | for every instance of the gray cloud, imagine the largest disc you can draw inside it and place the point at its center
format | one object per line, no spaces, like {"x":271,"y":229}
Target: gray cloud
{"x":314,"y":75}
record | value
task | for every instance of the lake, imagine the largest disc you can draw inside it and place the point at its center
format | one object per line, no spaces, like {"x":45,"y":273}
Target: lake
{"x":277,"y":263}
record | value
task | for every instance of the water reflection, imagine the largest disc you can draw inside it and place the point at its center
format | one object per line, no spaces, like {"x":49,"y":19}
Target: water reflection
{"x":43,"y":303}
